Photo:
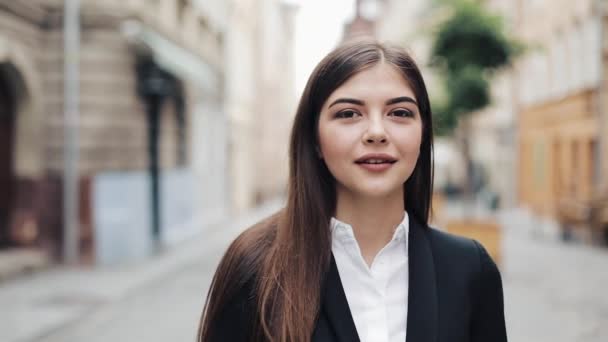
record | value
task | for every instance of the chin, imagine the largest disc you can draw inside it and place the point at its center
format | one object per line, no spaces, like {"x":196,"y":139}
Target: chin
{"x":379,"y":192}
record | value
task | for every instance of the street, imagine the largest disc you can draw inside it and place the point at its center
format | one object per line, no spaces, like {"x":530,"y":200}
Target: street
{"x":165,"y":311}
{"x":553,"y":292}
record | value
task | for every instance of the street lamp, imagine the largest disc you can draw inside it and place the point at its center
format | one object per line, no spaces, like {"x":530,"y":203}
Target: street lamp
{"x":154,"y":86}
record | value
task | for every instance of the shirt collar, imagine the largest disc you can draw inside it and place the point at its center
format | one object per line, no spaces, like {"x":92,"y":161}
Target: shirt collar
{"x":344,"y":231}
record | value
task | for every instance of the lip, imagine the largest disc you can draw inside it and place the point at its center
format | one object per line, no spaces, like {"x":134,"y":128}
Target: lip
{"x":382,"y":156}
{"x":376,"y":167}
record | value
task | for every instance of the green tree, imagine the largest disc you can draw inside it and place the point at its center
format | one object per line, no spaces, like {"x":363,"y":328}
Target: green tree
{"x":469,"y":45}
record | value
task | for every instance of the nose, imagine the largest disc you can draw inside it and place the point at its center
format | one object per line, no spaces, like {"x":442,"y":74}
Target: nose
{"x":375,"y":132}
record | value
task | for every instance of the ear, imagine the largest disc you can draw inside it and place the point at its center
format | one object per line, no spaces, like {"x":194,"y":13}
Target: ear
{"x":319,"y":154}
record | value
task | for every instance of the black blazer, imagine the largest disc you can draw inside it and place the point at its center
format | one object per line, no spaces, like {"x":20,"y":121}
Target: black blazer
{"x":455,"y":295}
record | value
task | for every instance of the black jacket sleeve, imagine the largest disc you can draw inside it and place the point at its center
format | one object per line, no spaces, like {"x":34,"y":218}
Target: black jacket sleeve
{"x":488,"y":323}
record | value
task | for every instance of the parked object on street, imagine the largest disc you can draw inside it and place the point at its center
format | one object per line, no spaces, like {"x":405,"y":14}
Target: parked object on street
{"x":573,"y":214}
{"x":21,"y":261}
{"x":485,"y":231}
{"x":599,"y":220}
{"x":587,"y":217}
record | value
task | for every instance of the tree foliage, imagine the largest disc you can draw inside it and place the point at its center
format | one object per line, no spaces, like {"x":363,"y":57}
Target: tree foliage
{"x":469,"y":44}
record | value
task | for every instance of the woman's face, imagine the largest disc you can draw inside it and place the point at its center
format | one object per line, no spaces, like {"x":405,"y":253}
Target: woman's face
{"x":370,"y":132}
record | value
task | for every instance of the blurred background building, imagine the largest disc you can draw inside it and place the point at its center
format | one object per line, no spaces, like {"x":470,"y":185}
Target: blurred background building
{"x":161,"y":82}
{"x":260,"y":99}
{"x":541,"y":141}
{"x":562,"y":107}
{"x":363,"y":24}
{"x":550,"y":107}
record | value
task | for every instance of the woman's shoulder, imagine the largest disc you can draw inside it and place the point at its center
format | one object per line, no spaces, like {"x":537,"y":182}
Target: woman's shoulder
{"x":464,"y":264}
{"x":453,"y":243}
{"x":460,"y":251}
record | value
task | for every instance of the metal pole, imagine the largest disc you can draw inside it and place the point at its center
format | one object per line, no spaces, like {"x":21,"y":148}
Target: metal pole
{"x":600,"y":161}
{"x":71,"y":227}
{"x":155,"y":103}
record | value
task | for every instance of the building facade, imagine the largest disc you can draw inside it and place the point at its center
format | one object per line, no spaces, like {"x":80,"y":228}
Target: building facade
{"x":363,"y":24}
{"x":542,"y":140}
{"x":125,"y":123}
{"x":561,"y":92}
{"x":260,"y":99}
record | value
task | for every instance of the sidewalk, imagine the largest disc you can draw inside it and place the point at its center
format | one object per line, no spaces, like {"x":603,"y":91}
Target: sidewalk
{"x":554,"y":291}
{"x":36,"y":305}
{"x":20,"y":261}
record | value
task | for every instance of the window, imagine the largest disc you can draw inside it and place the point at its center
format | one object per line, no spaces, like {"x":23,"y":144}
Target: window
{"x":558,"y":59}
{"x":592,"y":50}
{"x":182,"y":8}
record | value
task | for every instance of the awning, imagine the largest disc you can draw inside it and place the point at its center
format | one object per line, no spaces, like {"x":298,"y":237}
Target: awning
{"x":173,"y":57}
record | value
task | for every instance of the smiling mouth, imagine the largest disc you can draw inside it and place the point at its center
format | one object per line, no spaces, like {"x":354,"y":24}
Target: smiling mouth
{"x":376,"y":161}
{"x":376,"y":165}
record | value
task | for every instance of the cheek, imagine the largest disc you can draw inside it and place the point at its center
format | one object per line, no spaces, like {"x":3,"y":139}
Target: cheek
{"x":408,"y":141}
{"x":335,"y":144}
{"x":331,"y":151}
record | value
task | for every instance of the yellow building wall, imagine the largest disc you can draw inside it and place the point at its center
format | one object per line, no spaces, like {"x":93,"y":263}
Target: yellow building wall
{"x":558,"y":142}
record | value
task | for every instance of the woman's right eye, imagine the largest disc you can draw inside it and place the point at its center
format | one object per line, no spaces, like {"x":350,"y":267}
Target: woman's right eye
{"x":346,"y":114}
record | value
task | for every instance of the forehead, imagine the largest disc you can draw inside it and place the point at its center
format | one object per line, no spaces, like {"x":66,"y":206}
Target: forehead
{"x":382,"y":81}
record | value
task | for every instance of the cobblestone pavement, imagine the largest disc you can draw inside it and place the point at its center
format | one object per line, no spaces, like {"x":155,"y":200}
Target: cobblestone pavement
{"x":121,"y":301}
{"x":166,"y":311}
{"x":554,"y":292}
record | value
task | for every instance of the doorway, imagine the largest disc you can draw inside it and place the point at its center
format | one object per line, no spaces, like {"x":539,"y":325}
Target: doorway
{"x":7,"y":132}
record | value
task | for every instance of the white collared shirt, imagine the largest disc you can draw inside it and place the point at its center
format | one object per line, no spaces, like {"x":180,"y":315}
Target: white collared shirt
{"x":377,"y":295}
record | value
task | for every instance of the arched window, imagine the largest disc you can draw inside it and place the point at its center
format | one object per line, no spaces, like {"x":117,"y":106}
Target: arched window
{"x":544,"y":79}
{"x":526,"y":88}
{"x":576,"y":57}
{"x":559,"y":65}
{"x":539,"y":77}
{"x":592,"y":52}
{"x":173,"y":138}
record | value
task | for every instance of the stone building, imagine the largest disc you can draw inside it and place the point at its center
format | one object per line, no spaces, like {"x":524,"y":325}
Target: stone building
{"x":363,"y":24}
{"x":260,"y":98}
{"x":124,"y":123}
{"x":562,"y":101}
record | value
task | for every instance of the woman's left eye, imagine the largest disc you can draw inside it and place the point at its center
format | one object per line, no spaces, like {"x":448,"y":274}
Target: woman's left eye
{"x":403,"y":113}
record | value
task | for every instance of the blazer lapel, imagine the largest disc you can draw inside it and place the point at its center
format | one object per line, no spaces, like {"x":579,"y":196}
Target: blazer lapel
{"x":336,"y":306}
{"x":422,"y":321}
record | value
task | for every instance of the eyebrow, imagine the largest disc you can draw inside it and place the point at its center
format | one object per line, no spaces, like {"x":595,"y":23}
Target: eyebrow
{"x":361,"y":103}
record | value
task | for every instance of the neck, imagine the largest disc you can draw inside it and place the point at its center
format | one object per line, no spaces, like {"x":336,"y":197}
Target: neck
{"x":373,"y":220}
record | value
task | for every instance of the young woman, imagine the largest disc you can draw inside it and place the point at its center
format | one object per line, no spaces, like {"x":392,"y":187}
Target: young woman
{"x":351,"y":257}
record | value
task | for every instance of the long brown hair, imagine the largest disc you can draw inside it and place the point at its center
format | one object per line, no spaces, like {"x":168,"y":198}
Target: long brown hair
{"x":287,"y":255}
